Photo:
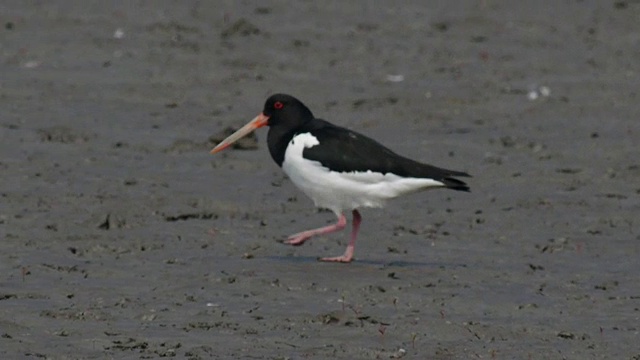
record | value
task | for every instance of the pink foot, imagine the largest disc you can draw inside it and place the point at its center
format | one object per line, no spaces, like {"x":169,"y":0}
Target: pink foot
{"x":346,"y":258}
{"x":298,"y":239}
{"x":301,"y":237}
{"x":348,"y":253}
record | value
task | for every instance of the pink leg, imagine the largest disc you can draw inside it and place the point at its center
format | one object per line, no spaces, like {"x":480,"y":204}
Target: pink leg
{"x":348,"y":253}
{"x":301,"y":237}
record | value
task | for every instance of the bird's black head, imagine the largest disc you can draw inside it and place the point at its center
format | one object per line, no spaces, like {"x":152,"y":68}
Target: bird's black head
{"x":284,"y":114}
{"x":286,"y":111}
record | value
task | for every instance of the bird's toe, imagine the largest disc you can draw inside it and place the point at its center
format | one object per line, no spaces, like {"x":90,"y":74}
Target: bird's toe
{"x":295,"y":240}
{"x":340,"y":259}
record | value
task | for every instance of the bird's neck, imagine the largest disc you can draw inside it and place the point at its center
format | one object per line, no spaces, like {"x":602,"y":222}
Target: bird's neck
{"x":277,"y":139}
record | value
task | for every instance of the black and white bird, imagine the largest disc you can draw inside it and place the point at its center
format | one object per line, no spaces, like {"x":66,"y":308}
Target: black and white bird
{"x":339,"y":169}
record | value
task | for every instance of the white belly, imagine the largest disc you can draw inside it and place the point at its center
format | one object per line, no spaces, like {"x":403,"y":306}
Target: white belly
{"x":340,"y":191}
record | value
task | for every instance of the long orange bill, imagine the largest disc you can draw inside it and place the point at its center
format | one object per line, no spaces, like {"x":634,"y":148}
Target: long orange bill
{"x":258,"y":122}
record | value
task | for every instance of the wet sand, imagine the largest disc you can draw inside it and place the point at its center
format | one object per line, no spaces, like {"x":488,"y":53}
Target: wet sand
{"x":123,"y":238}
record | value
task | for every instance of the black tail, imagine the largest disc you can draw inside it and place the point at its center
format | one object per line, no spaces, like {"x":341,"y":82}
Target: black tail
{"x":455,"y":184}
{"x":448,"y":177}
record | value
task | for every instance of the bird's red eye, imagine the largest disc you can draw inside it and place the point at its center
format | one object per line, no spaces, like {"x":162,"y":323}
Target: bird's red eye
{"x":278,"y":105}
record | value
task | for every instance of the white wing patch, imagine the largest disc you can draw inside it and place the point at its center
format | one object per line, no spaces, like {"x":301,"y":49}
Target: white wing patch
{"x":340,"y":191}
{"x":301,"y":141}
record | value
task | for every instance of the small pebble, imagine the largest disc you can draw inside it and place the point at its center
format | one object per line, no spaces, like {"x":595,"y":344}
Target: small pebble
{"x":395,"y":78}
{"x":118,"y":34}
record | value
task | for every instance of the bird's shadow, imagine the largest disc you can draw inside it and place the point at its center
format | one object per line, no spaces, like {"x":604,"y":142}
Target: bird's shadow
{"x":368,"y":262}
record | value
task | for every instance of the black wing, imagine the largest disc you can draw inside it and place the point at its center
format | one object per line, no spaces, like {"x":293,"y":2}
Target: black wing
{"x":344,"y":150}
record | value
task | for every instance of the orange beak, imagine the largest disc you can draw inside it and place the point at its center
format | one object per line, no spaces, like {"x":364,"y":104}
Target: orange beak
{"x":258,"y":122}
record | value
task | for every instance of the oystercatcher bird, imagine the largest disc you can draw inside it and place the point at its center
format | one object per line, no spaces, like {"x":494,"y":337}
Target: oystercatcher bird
{"x":339,"y":169}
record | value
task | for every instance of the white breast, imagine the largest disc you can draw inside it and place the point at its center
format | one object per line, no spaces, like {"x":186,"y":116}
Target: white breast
{"x":340,"y":191}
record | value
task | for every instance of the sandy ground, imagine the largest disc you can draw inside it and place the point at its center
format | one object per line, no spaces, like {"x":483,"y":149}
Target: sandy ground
{"x":123,"y":238}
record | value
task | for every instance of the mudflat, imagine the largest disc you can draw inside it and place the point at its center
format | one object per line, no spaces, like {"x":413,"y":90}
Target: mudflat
{"x":123,"y":238}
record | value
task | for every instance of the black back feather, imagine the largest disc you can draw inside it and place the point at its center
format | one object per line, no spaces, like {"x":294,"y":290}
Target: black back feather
{"x":357,"y":152}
